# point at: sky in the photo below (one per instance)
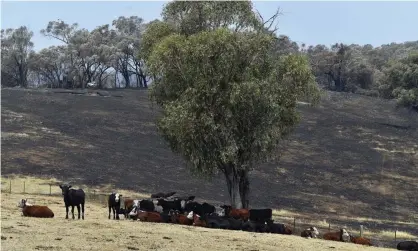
(321, 22)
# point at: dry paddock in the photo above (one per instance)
(96, 232)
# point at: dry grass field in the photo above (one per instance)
(96, 232)
(353, 160)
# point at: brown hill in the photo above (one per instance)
(353, 158)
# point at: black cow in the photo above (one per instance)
(186, 198)
(146, 205)
(114, 204)
(168, 205)
(261, 215)
(235, 224)
(254, 226)
(200, 209)
(162, 195)
(278, 228)
(73, 197)
(166, 217)
(214, 221)
(407, 245)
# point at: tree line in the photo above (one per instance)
(227, 84)
(113, 57)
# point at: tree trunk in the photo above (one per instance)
(238, 187)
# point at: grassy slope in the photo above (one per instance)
(344, 163)
(24, 234)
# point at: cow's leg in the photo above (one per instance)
(72, 211)
(82, 211)
(110, 208)
(66, 210)
(117, 212)
(78, 210)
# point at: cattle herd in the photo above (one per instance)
(167, 208)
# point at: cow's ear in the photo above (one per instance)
(70, 186)
(60, 186)
(120, 195)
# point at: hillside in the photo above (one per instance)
(352, 159)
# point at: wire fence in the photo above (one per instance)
(101, 197)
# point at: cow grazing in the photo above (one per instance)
(278, 228)
(243, 214)
(260, 215)
(149, 216)
(114, 204)
(407, 245)
(73, 198)
(311, 232)
(341, 235)
(162, 195)
(360, 240)
(34, 210)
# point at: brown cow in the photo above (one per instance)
(360, 240)
(35, 211)
(128, 206)
(178, 218)
(150, 216)
(243, 214)
(341, 235)
(311, 232)
(197, 220)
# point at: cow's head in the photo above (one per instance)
(226, 208)
(220, 211)
(314, 232)
(117, 197)
(190, 215)
(344, 235)
(22, 203)
(65, 189)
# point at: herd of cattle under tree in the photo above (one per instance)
(164, 208)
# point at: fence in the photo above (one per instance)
(298, 223)
(49, 189)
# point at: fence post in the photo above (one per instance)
(294, 223)
(395, 233)
(10, 186)
(329, 227)
(50, 190)
(24, 187)
(361, 230)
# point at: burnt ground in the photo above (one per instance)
(352, 157)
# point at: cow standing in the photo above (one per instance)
(114, 204)
(73, 197)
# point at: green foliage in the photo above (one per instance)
(401, 81)
(154, 33)
(191, 17)
(225, 99)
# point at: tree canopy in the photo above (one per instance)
(227, 99)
